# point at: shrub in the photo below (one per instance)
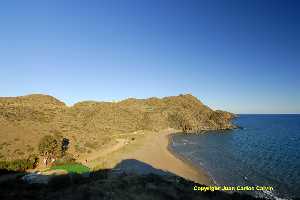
(49, 146)
(20, 164)
(67, 159)
(53, 146)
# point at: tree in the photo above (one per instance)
(64, 146)
(50, 147)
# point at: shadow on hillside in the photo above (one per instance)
(130, 179)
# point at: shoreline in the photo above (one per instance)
(189, 162)
(153, 149)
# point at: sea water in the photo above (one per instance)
(264, 152)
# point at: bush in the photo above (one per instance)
(67, 159)
(53, 146)
(20, 164)
(49, 145)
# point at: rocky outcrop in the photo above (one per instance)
(192, 116)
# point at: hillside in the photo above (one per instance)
(89, 125)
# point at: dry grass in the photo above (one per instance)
(89, 125)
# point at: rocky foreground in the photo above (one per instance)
(25, 120)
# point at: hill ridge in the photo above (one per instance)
(26, 119)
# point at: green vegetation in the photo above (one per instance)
(50, 146)
(53, 146)
(20, 164)
(73, 168)
(54, 150)
(65, 160)
(39, 117)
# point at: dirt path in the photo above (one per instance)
(98, 154)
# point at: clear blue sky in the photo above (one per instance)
(242, 55)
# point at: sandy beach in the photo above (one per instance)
(152, 149)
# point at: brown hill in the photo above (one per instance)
(25, 120)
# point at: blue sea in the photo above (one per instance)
(265, 152)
